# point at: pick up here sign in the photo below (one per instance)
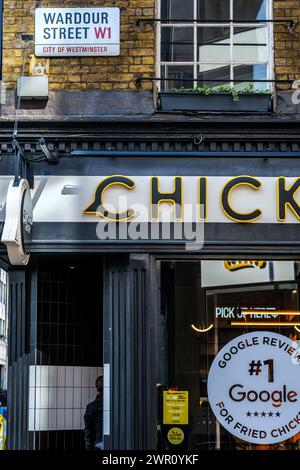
(63, 32)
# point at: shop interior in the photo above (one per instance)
(201, 307)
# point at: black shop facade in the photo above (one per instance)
(139, 254)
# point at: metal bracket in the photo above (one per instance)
(22, 168)
(289, 22)
(139, 80)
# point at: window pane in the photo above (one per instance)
(250, 35)
(198, 304)
(178, 74)
(251, 72)
(213, 10)
(177, 44)
(244, 53)
(213, 44)
(249, 10)
(208, 73)
(250, 44)
(177, 9)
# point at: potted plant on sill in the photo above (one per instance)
(221, 99)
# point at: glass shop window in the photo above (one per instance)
(203, 305)
(1, 34)
(211, 43)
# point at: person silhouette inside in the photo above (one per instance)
(93, 420)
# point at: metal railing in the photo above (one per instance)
(139, 80)
(289, 22)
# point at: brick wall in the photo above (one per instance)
(137, 47)
(287, 43)
(82, 73)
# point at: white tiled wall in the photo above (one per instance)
(58, 396)
(2, 311)
(106, 400)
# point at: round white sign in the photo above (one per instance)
(254, 387)
(17, 230)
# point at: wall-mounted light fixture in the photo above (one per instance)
(205, 330)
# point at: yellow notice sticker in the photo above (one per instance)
(176, 407)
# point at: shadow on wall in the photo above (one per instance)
(80, 104)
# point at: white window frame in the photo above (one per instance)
(270, 44)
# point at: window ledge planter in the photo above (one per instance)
(217, 102)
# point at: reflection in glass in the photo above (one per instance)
(250, 35)
(215, 292)
(248, 73)
(245, 10)
(177, 44)
(250, 44)
(213, 44)
(213, 10)
(209, 73)
(222, 52)
(177, 9)
(178, 76)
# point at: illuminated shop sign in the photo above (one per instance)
(77, 32)
(236, 265)
(217, 273)
(234, 312)
(254, 387)
(240, 199)
(258, 316)
(213, 199)
(229, 316)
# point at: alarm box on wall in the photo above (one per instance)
(33, 88)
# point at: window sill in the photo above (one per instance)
(190, 101)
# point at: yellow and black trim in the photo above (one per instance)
(203, 197)
(234, 183)
(97, 207)
(175, 197)
(285, 198)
